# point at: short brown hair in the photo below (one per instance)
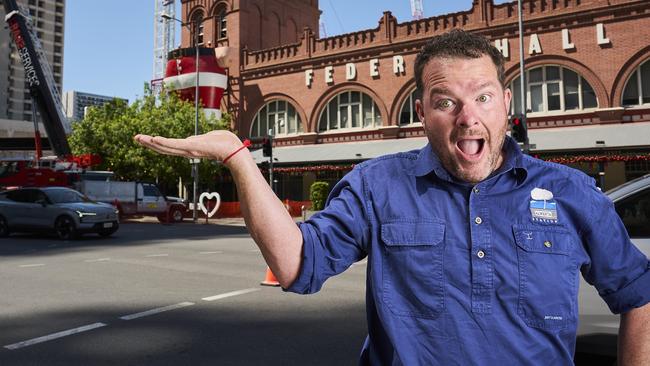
(459, 44)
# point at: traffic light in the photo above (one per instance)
(518, 129)
(267, 147)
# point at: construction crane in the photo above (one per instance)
(163, 39)
(417, 10)
(38, 75)
(323, 31)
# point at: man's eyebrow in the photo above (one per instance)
(485, 85)
(439, 90)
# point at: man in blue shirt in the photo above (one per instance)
(474, 249)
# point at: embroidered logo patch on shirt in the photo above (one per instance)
(542, 206)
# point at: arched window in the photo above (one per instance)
(278, 115)
(407, 114)
(349, 110)
(197, 28)
(220, 24)
(637, 89)
(552, 89)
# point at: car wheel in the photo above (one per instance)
(4, 227)
(176, 214)
(108, 232)
(65, 228)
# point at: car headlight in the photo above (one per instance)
(84, 214)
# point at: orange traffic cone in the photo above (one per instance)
(269, 279)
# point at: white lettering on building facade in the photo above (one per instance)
(566, 40)
(398, 65)
(350, 71)
(374, 67)
(503, 45)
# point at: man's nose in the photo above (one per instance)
(468, 116)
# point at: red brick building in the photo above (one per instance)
(336, 101)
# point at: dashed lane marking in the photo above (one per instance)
(157, 255)
(230, 294)
(52, 336)
(156, 310)
(31, 265)
(97, 260)
(217, 252)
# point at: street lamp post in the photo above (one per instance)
(194, 161)
(522, 77)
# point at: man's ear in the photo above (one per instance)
(507, 96)
(419, 110)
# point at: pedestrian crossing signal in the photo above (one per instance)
(267, 147)
(518, 129)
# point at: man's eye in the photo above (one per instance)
(484, 98)
(446, 103)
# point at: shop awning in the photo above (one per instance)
(339, 152)
(560, 139)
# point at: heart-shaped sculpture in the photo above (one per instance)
(209, 196)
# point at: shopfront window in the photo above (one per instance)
(553, 89)
(637, 89)
(278, 115)
(350, 110)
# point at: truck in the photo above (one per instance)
(134, 199)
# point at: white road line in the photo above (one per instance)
(217, 252)
(31, 265)
(97, 260)
(230, 294)
(156, 310)
(253, 250)
(54, 336)
(157, 255)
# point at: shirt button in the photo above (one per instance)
(480, 254)
(548, 244)
(476, 190)
(478, 220)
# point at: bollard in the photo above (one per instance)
(304, 212)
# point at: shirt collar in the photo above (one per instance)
(428, 162)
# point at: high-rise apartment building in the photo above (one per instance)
(48, 20)
(75, 103)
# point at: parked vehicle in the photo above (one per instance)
(61, 210)
(135, 198)
(598, 327)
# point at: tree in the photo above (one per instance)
(108, 132)
(318, 194)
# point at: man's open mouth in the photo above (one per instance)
(471, 147)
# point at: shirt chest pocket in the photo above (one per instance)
(412, 267)
(547, 276)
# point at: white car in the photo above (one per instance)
(598, 327)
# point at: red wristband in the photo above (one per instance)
(246, 144)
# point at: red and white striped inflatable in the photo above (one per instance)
(180, 76)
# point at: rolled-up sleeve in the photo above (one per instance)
(335, 237)
(618, 269)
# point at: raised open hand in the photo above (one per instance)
(216, 145)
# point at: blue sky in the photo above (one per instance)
(109, 44)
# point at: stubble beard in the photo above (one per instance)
(477, 172)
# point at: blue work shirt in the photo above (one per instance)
(461, 274)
